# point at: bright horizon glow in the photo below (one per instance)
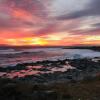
(35, 41)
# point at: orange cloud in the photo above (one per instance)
(36, 22)
(21, 14)
(6, 34)
(95, 40)
(50, 40)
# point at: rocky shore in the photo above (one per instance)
(53, 71)
(87, 89)
(68, 79)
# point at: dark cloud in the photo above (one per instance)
(92, 9)
(97, 25)
(12, 24)
(56, 27)
(32, 6)
(94, 31)
(9, 21)
(6, 24)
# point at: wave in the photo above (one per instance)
(14, 56)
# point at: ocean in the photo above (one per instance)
(13, 56)
(12, 60)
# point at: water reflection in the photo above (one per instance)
(35, 70)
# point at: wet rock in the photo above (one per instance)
(43, 69)
(45, 95)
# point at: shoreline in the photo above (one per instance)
(78, 69)
(80, 83)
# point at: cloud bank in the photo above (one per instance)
(49, 22)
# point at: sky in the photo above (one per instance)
(49, 22)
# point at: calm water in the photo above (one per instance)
(14, 56)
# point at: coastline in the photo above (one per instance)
(87, 89)
(82, 82)
(53, 71)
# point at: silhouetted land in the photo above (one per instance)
(97, 48)
(87, 89)
(82, 83)
(67, 47)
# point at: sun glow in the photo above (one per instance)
(27, 41)
(93, 38)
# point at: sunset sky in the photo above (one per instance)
(49, 22)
